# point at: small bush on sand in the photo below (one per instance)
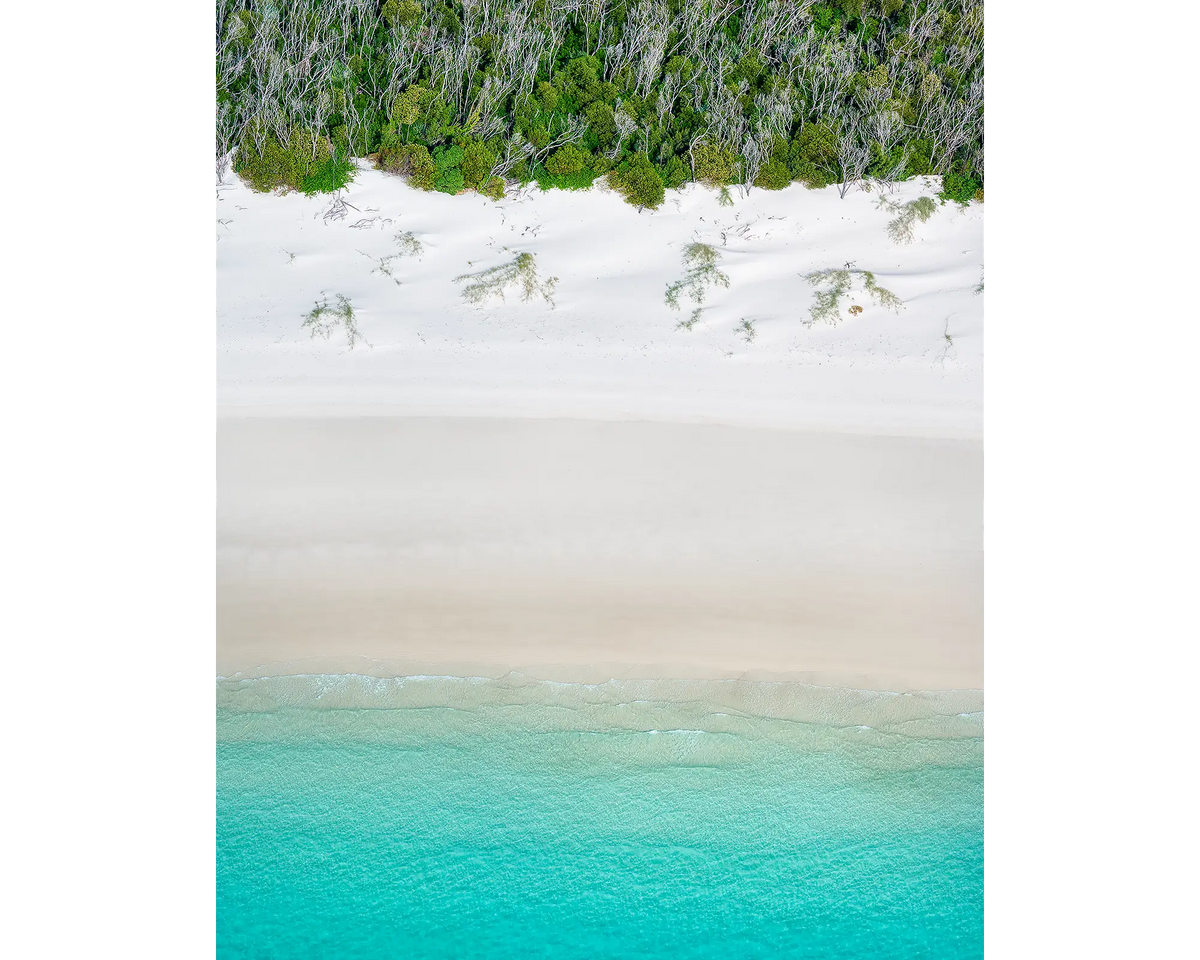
(904, 228)
(521, 272)
(324, 319)
(701, 261)
(833, 285)
(745, 330)
(639, 183)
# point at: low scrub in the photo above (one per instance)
(701, 261)
(520, 273)
(324, 319)
(834, 284)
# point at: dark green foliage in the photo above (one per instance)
(959, 187)
(449, 178)
(446, 157)
(639, 183)
(450, 181)
(548, 96)
(451, 25)
(582, 80)
(602, 124)
(919, 164)
(748, 68)
(826, 17)
(674, 173)
(333, 174)
(522, 173)
(579, 180)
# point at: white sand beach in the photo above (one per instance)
(586, 490)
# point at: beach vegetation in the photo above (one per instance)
(411, 160)
(724, 92)
(407, 245)
(325, 318)
(701, 273)
(692, 319)
(638, 182)
(903, 229)
(833, 284)
(961, 188)
(520, 273)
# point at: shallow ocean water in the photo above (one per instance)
(437, 817)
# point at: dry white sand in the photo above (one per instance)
(584, 550)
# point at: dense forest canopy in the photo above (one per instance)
(472, 94)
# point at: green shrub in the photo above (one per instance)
(567, 160)
(919, 164)
(477, 162)
(408, 106)
(959, 187)
(400, 13)
(563, 181)
(547, 96)
(330, 176)
(522, 172)
(449, 178)
(674, 173)
(450, 181)
(602, 123)
(411, 160)
(714, 166)
(300, 164)
(639, 183)
(446, 157)
(774, 175)
(270, 169)
(582, 80)
(812, 156)
(493, 187)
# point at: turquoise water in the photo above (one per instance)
(437, 817)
